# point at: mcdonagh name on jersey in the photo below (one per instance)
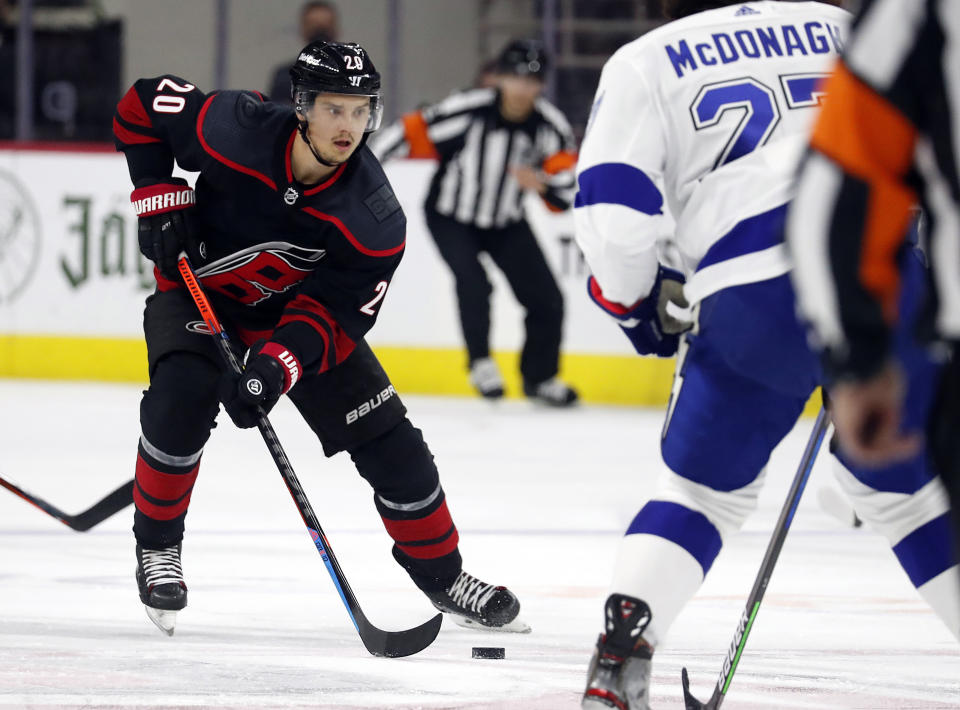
(755, 43)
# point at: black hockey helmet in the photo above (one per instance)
(335, 68)
(523, 57)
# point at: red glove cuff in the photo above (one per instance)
(617, 310)
(288, 361)
(163, 197)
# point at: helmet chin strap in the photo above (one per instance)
(303, 133)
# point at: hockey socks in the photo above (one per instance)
(425, 538)
(161, 493)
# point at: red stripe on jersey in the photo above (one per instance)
(324, 185)
(132, 111)
(342, 345)
(435, 525)
(288, 155)
(431, 552)
(349, 235)
(249, 337)
(128, 137)
(163, 283)
(313, 324)
(223, 159)
(617, 309)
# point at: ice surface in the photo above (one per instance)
(540, 498)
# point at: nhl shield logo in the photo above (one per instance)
(290, 196)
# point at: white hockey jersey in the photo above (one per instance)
(696, 126)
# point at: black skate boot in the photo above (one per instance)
(619, 674)
(162, 589)
(475, 605)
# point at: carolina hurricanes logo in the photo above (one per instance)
(254, 274)
(198, 326)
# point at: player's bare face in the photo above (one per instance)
(336, 125)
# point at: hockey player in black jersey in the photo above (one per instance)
(295, 234)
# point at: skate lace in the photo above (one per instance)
(162, 566)
(469, 592)
(485, 374)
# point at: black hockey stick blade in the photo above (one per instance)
(81, 522)
(690, 702)
(397, 644)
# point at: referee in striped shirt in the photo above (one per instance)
(885, 141)
(493, 144)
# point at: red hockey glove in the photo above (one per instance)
(166, 223)
(270, 371)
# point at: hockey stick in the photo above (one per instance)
(378, 642)
(749, 614)
(81, 522)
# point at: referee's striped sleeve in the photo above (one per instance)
(559, 158)
(853, 207)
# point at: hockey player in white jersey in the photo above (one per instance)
(694, 140)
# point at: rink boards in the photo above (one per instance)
(72, 285)
(73, 282)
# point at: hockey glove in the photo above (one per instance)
(646, 323)
(166, 222)
(270, 371)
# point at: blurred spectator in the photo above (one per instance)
(319, 21)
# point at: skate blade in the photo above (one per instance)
(517, 626)
(164, 619)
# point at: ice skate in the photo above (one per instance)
(476, 605)
(162, 589)
(619, 674)
(486, 378)
(552, 392)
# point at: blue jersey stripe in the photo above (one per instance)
(925, 552)
(753, 234)
(688, 528)
(619, 184)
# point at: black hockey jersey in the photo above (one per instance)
(307, 266)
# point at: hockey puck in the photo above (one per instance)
(487, 652)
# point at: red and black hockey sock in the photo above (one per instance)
(412, 504)
(425, 539)
(161, 494)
